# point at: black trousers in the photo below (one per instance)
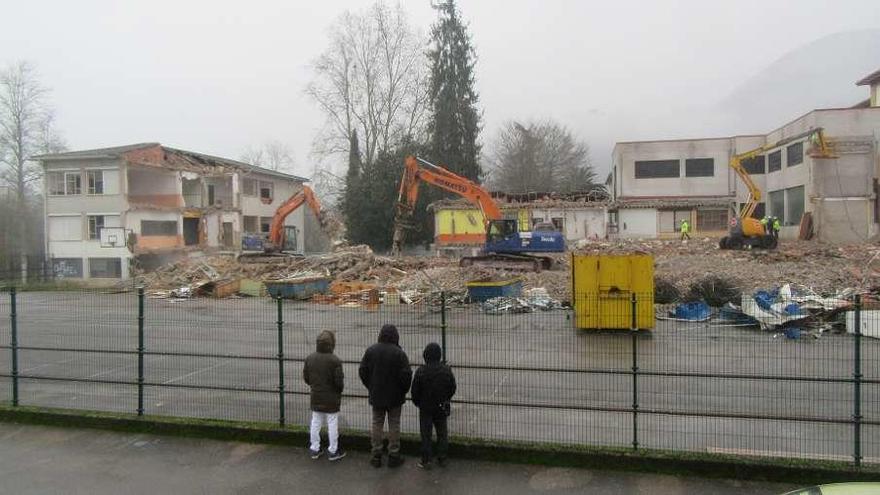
(435, 420)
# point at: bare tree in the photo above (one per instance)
(328, 187)
(273, 155)
(540, 156)
(26, 128)
(373, 78)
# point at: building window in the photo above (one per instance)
(670, 220)
(265, 224)
(96, 181)
(251, 224)
(266, 190)
(774, 161)
(711, 220)
(249, 187)
(105, 267)
(96, 223)
(755, 165)
(55, 182)
(794, 200)
(777, 205)
(67, 267)
(699, 167)
(794, 154)
(657, 169)
(73, 183)
(158, 227)
(64, 183)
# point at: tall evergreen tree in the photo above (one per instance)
(354, 158)
(455, 122)
(352, 198)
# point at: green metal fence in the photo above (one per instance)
(531, 376)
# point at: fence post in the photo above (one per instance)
(634, 330)
(857, 384)
(443, 324)
(13, 316)
(280, 322)
(140, 350)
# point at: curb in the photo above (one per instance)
(803, 472)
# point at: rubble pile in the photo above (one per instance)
(351, 264)
(822, 267)
(684, 271)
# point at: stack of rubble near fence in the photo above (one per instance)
(679, 266)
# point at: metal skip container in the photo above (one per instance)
(603, 287)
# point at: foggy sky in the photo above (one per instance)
(220, 75)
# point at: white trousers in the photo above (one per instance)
(318, 420)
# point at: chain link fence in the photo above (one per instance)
(523, 376)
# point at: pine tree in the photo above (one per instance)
(455, 122)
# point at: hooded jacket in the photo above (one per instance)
(433, 383)
(323, 373)
(385, 370)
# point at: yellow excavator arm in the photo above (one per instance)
(746, 227)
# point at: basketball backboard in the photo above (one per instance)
(114, 237)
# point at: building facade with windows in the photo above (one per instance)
(657, 184)
(147, 203)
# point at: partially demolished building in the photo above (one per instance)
(147, 203)
(657, 184)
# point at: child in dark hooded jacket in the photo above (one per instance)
(432, 388)
(322, 372)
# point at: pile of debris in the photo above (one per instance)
(822, 267)
(355, 263)
(537, 299)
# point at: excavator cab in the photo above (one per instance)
(289, 242)
(501, 230)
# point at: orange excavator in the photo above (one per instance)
(278, 233)
(283, 237)
(505, 241)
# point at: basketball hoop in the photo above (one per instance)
(114, 237)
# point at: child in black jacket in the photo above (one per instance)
(432, 388)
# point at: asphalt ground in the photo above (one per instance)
(530, 377)
(41, 460)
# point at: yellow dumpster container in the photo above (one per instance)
(602, 290)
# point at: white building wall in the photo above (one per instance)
(282, 191)
(720, 184)
(637, 222)
(578, 223)
(66, 234)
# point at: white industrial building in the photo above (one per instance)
(656, 184)
(151, 203)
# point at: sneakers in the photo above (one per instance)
(395, 461)
(335, 456)
(426, 465)
(376, 461)
(315, 454)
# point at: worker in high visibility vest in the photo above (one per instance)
(765, 222)
(776, 227)
(685, 228)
